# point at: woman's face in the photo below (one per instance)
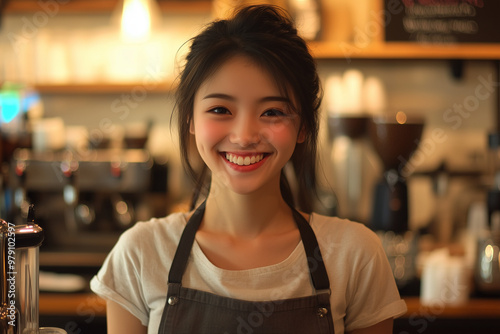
(244, 127)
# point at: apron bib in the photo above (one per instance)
(190, 311)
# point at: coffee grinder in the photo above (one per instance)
(395, 139)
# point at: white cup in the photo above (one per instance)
(445, 279)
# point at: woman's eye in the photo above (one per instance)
(273, 112)
(220, 111)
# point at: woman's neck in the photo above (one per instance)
(249, 215)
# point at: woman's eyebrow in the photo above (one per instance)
(275, 98)
(232, 98)
(219, 96)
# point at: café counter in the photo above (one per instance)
(479, 315)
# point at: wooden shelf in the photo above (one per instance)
(103, 88)
(102, 6)
(321, 50)
(404, 50)
(71, 259)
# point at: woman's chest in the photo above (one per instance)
(242, 254)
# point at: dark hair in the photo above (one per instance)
(267, 35)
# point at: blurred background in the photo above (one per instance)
(409, 137)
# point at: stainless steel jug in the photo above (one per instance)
(19, 250)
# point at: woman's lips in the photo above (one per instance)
(244, 161)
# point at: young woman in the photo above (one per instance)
(246, 260)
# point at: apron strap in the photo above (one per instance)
(181, 256)
(317, 269)
(315, 262)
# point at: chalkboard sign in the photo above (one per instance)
(442, 21)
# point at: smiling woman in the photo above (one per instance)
(280, 52)
(245, 259)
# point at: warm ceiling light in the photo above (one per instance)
(137, 20)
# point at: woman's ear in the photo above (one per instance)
(302, 135)
(191, 127)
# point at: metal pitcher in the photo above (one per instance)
(19, 251)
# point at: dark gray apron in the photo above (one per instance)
(189, 311)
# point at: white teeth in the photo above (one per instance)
(244, 161)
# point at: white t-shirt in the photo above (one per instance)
(364, 292)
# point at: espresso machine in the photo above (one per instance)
(85, 200)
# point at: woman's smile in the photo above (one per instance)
(244, 162)
(243, 159)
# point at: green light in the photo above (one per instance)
(10, 105)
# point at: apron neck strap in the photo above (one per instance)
(181, 256)
(317, 269)
(315, 262)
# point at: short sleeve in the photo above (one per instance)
(119, 278)
(373, 296)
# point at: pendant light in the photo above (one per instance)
(137, 19)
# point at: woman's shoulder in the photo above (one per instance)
(170, 226)
(343, 231)
(332, 222)
(150, 238)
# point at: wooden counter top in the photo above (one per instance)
(73, 304)
(474, 309)
(83, 304)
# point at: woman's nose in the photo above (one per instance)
(245, 132)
